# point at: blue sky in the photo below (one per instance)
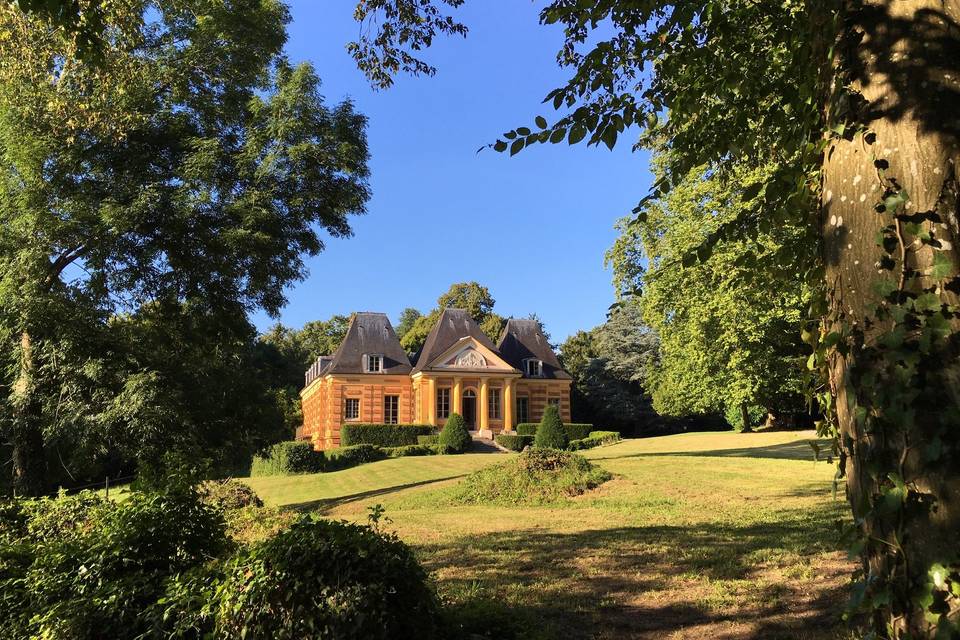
(533, 228)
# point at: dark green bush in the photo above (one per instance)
(595, 439)
(411, 450)
(536, 476)
(382, 435)
(550, 433)
(455, 434)
(575, 430)
(104, 565)
(228, 494)
(433, 438)
(346, 457)
(285, 458)
(325, 579)
(514, 442)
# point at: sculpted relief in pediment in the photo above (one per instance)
(470, 359)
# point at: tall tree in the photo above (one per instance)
(190, 164)
(854, 103)
(470, 296)
(406, 321)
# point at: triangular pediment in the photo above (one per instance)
(470, 355)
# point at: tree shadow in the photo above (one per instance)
(717, 580)
(325, 504)
(798, 450)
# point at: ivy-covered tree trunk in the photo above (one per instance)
(890, 229)
(26, 434)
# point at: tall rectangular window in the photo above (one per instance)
(493, 403)
(443, 403)
(523, 409)
(391, 409)
(351, 409)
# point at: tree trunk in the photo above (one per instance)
(29, 460)
(897, 397)
(745, 418)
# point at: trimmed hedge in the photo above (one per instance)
(286, 458)
(575, 430)
(595, 439)
(411, 450)
(346, 457)
(514, 442)
(432, 439)
(382, 435)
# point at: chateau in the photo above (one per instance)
(459, 370)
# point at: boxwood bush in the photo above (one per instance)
(595, 439)
(575, 430)
(411, 450)
(455, 434)
(382, 435)
(326, 579)
(433, 438)
(550, 433)
(514, 442)
(285, 458)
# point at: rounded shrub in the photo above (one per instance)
(228, 494)
(550, 433)
(326, 579)
(455, 434)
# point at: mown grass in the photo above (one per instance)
(716, 535)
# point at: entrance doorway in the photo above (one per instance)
(470, 409)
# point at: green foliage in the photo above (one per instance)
(346, 457)
(514, 442)
(551, 434)
(609, 365)
(227, 495)
(285, 458)
(412, 450)
(455, 434)
(102, 565)
(371, 583)
(527, 428)
(575, 430)
(733, 414)
(470, 296)
(431, 439)
(594, 439)
(382, 435)
(408, 317)
(185, 173)
(537, 476)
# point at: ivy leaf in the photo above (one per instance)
(938, 574)
(942, 266)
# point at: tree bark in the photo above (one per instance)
(745, 418)
(902, 58)
(29, 459)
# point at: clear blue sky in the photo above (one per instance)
(533, 228)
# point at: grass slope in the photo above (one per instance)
(706, 535)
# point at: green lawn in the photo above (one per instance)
(705, 535)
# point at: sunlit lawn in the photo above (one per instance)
(707, 535)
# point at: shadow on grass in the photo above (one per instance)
(764, 580)
(799, 450)
(325, 504)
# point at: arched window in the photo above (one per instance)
(469, 393)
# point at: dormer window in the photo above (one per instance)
(373, 363)
(533, 368)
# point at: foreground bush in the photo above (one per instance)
(285, 458)
(324, 579)
(455, 434)
(411, 450)
(382, 435)
(514, 442)
(228, 494)
(550, 433)
(101, 565)
(536, 476)
(346, 457)
(433, 438)
(595, 439)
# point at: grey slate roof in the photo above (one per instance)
(453, 325)
(369, 333)
(523, 339)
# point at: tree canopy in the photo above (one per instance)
(474, 298)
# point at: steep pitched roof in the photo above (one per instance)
(453, 325)
(523, 339)
(369, 333)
